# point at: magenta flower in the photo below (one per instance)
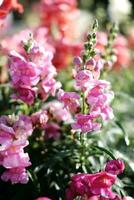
(52, 131)
(115, 167)
(42, 198)
(26, 94)
(70, 100)
(89, 185)
(85, 123)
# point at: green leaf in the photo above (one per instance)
(105, 151)
(123, 131)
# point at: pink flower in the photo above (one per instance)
(52, 131)
(23, 127)
(47, 87)
(23, 72)
(39, 118)
(99, 98)
(59, 112)
(115, 167)
(14, 134)
(42, 58)
(16, 160)
(70, 100)
(15, 175)
(6, 136)
(84, 79)
(33, 74)
(85, 123)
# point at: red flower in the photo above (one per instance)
(7, 5)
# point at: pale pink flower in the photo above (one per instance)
(14, 137)
(42, 58)
(85, 123)
(84, 79)
(16, 160)
(15, 175)
(70, 100)
(59, 112)
(99, 98)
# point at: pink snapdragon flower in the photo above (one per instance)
(85, 123)
(33, 75)
(70, 100)
(58, 112)
(47, 87)
(15, 175)
(23, 73)
(99, 98)
(84, 79)
(115, 167)
(89, 185)
(13, 139)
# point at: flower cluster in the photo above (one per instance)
(95, 97)
(33, 75)
(13, 139)
(96, 186)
